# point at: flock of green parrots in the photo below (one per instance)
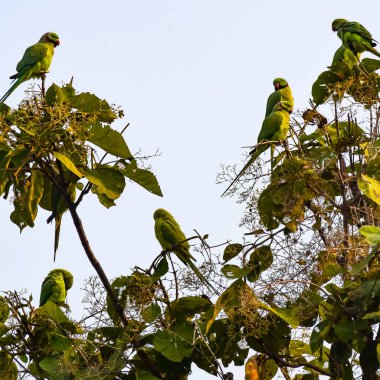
(36, 61)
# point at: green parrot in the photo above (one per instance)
(59, 206)
(282, 93)
(169, 234)
(354, 36)
(274, 130)
(35, 62)
(55, 286)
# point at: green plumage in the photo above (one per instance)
(354, 36)
(35, 61)
(282, 93)
(59, 205)
(275, 129)
(55, 286)
(169, 235)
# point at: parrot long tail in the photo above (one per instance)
(255, 153)
(13, 87)
(200, 276)
(58, 220)
(17, 80)
(373, 51)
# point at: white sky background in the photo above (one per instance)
(193, 78)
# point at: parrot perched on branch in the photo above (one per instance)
(354, 36)
(35, 62)
(55, 286)
(282, 93)
(172, 239)
(274, 130)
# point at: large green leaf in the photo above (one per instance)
(109, 140)
(188, 306)
(371, 233)
(231, 251)
(151, 312)
(50, 364)
(260, 260)
(370, 64)
(143, 177)
(68, 163)
(90, 103)
(108, 181)
(370, 187)
(4, 310)
(175, 344)
(51, 310)
(56, 95)
(233, 271)
(288, 314)
(60, 342)
(319, 334)
(8, 368)
(4, 175)
(321, 87)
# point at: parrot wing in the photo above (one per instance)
(32, 55)
(53, 289)
(355, 27)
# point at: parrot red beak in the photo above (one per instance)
(277, 86)
(57, 43)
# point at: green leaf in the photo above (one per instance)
(8, 368)
(370, 64)
(358, 267)
(188, 306)
(4, 310)
(172, 345)
(142, 374)
(320, 89)
(56, 95)
(371, 233)
(268, 370)
(90, 103)
(374, 315)
(319, 334)
(260, 260)
(162, 268)
(143, 177)
(109, 333)
(108, 181)
(370, 187)
(109, 140)
(4, 109)
(4, 176)
(151, 312)
(50, 364)
(51, 310)
(68, 163)
(60, 342)
(231, 251)
(233, 271)
(289, 315)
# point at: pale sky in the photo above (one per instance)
(193, 77)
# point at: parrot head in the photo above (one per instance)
(68, 279)
(337, 24)
(50, 37)
(279, 83)
(161, 213)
